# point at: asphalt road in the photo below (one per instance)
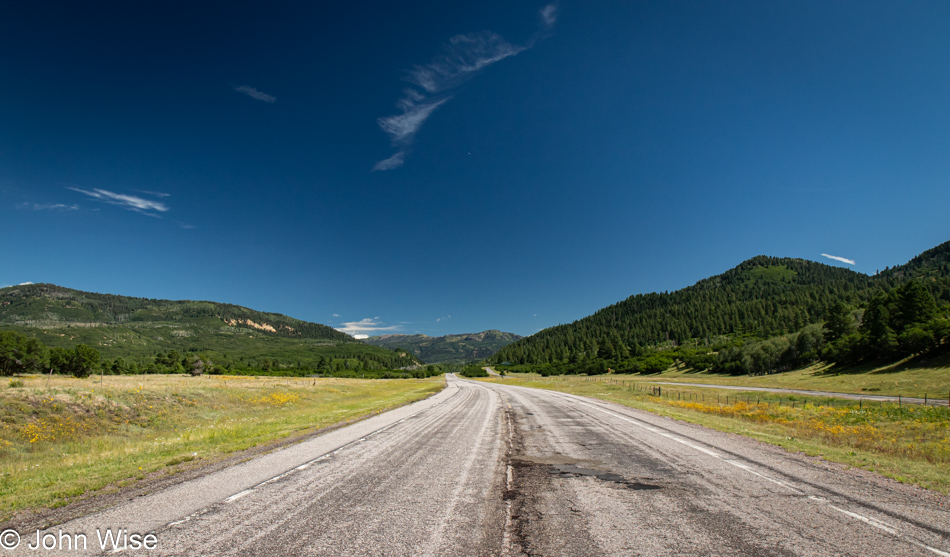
(492, 469)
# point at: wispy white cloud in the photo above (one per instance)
(458, 61)
(48, 207)
(154, 193)
(336, 315)
(446, 318)
(841, 259)
(366, 327)
(402, 127)
(394, 161)
(549, 15)
(24, 283)
(131, 202)
(255, 94)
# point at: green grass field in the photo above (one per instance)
(910, 443)
(900, 378)
(76, 436)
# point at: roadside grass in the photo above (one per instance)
(910, 443)
(77, 436)
(907, 378)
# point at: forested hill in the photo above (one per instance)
(141, 335)
(761, 297)
(48, 305)
(933, 263)
(460, 348)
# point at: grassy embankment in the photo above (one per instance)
(75, 437)
(910, 443)
(907, 378)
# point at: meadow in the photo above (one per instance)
(907, 377)
(910, 443)
(62, 437)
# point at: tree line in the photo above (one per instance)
(23, 354)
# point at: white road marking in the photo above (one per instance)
(237, 496)
(928, 548)
(880, 525)
(638, 423)
(868, 520)
(763, 476)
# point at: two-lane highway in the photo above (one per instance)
(493, 469)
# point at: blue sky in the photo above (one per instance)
(457, 166)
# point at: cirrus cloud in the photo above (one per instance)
(837, 258)
(49, 206)
(255, 94)
(459, 60)
(364, 328)
(130, 202)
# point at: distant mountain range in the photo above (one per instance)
(462, 348)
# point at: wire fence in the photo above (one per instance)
(768, 398)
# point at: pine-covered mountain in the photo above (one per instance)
(138, 329)
(761, 298)
(460, 348)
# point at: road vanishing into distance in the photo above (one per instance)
(492, 469)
